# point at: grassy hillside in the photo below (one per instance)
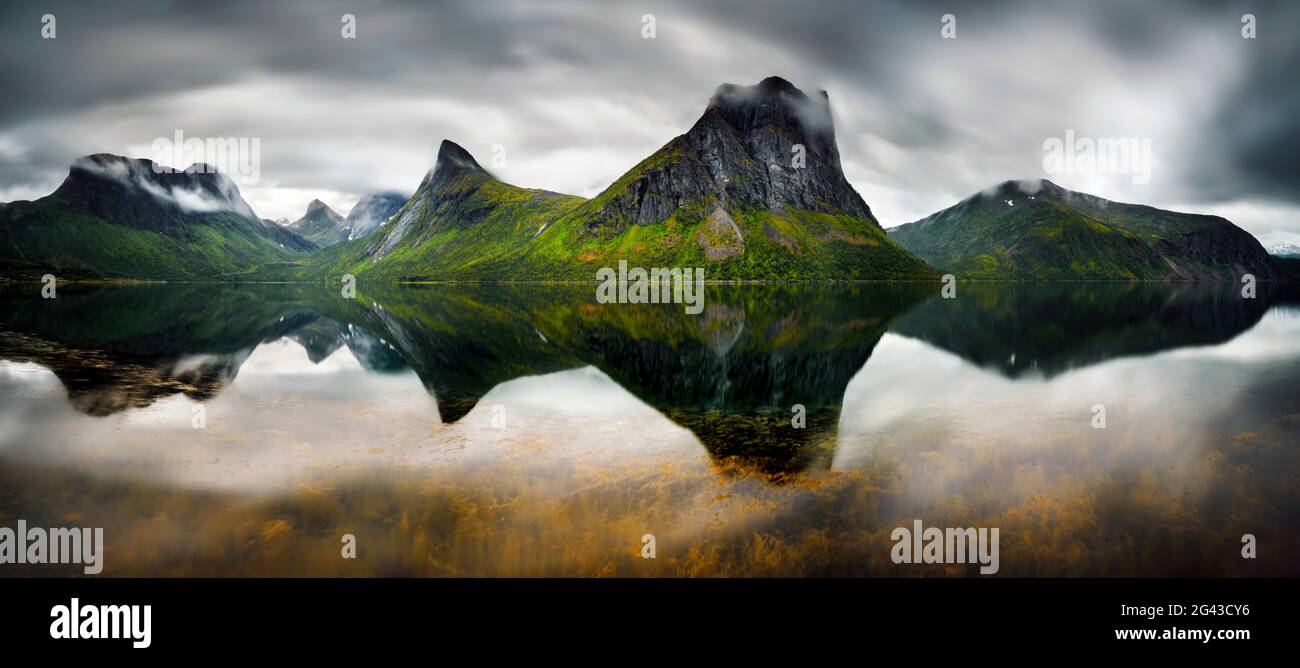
(500, 244)
(784, 245)
(1036, 230)
(1034, 239)
(46, 236)
(476, 227)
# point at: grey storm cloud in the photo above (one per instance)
(571, 95)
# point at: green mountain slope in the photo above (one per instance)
(1038, 230)
(461, 223)
(118, 218)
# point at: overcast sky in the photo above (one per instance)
(575, 95)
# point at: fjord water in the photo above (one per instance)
(493, 430)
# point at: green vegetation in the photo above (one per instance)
(789, 245)
(501, 246)
(1034, 239)
(477, 229)
(48, 236)
(1040, 231)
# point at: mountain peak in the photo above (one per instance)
(1023, 187)
(321, 225)
(453, 157)
(776, 83)
(775, 106)
(772, 86)
(318, 211)
(453, 163)
(766, 147)
(100, 161)
(317, 207)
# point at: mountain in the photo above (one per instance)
(739, 156)
(321, 225)
(373, 210)
(116, 217)
(461, 223)
(728, 195)
(324, 227)
(1039, 230)
(1291, 251)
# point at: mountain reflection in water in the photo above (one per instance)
(528, 430)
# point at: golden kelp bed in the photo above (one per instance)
(708, 520)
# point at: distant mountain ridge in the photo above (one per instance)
(1035, 229)
(325, 227)
(753, 190)
(321, 224)
(1290, 251)
(372, 210)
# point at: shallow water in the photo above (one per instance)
(529, 430)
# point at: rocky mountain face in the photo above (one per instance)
(1038, 230)
(766, 146)
(373, 210)
(321, 225)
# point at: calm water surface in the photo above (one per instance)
(528, 430)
